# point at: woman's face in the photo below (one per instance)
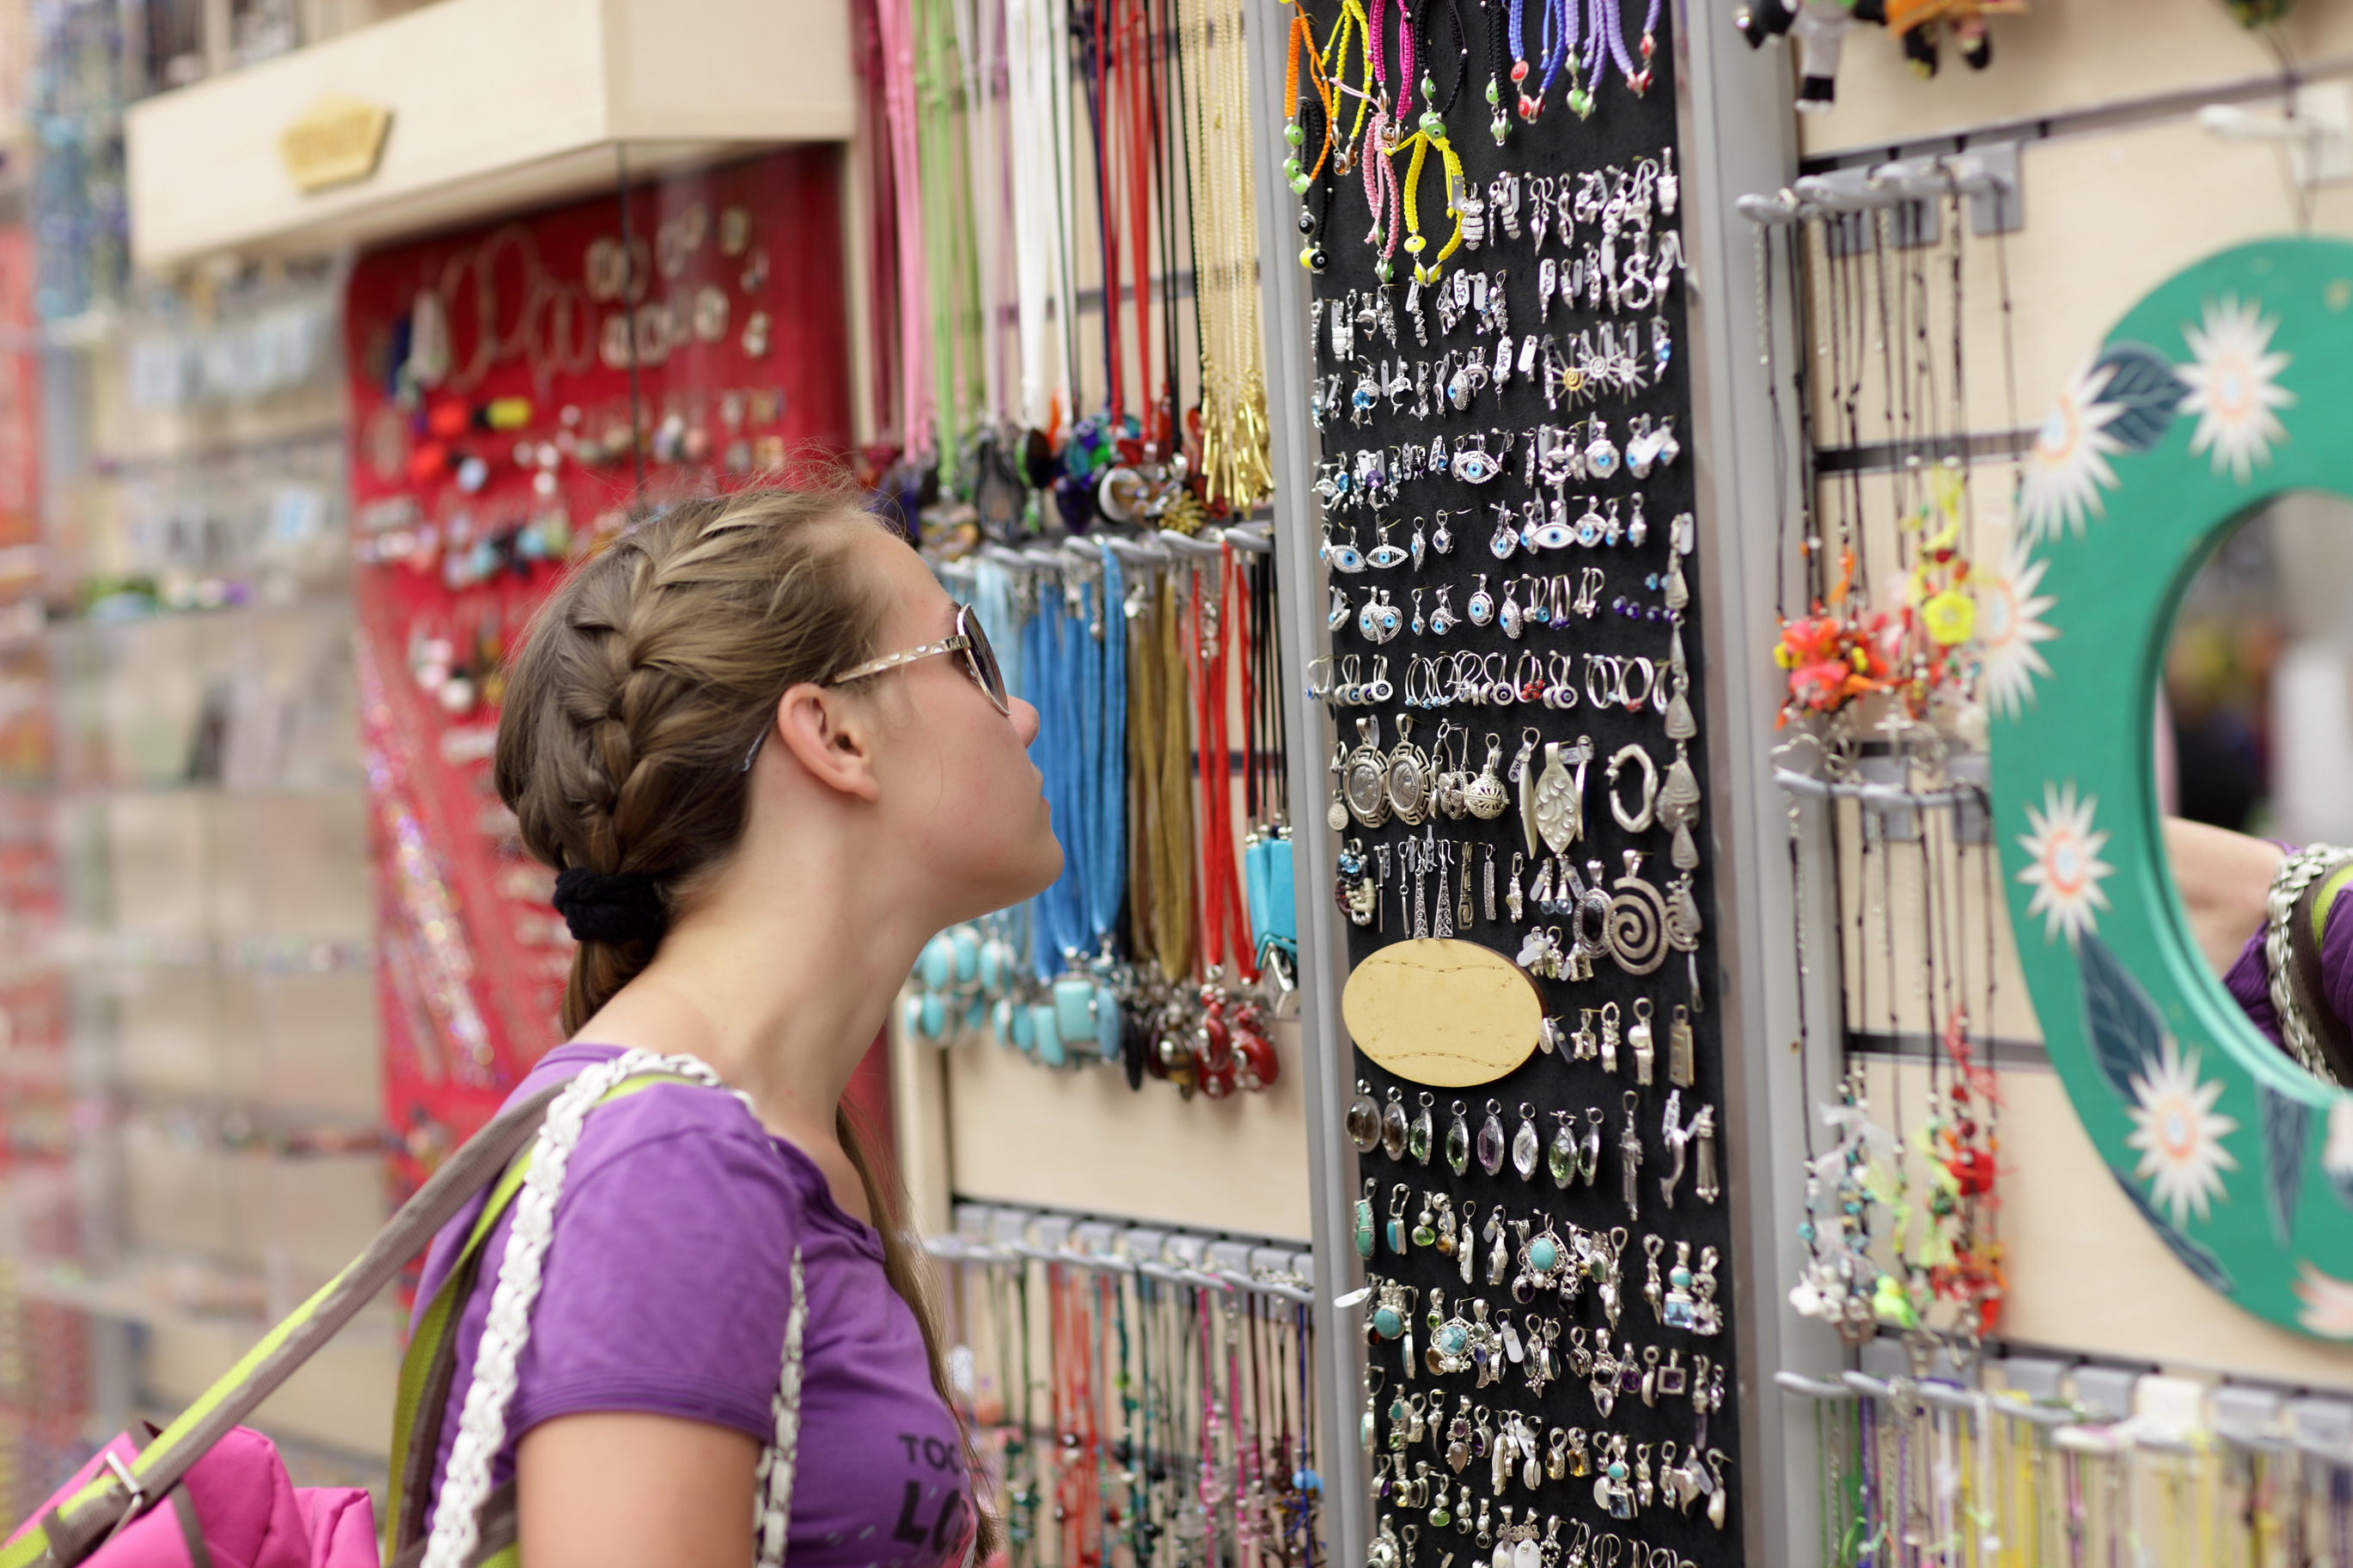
(958, 786)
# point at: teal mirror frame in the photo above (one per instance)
(2225, 386)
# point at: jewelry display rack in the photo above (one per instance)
(1726, 116)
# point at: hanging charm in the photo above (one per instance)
(1365, 783)
(1679, 809)
(1491, 1139)
(1458, 1142)
(1637, 921)
(1525, 1145)
(1557, 802)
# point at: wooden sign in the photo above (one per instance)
(337, 140)
(1447, 1013)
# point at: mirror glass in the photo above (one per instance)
(2254, 733)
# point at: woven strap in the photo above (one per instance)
(2296, 917)
(459, 1512)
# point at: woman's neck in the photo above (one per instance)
(781, 981)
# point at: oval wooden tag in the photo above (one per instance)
(1447, 1013)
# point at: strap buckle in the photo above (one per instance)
(135, 1505)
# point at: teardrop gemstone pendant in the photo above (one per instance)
(1491, 1139)
(1393, 1126)
(1364, 1119)
(1418, 1140)
(1524, 1144)
(1561, 1158)
(1458, 1142)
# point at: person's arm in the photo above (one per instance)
(2223, 879)
(619, 1490)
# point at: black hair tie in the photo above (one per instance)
(623, 906)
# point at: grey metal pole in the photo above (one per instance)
(1738, 135)
(1324, 1059)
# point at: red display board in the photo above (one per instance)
(497, 376)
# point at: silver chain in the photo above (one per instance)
(2296, 873)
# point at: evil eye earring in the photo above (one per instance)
(1417, 612)
(1601, 457)
(1508, 615)
(1592, 527)
(1555, 533)
(1482, 604)
(1345, 556)
(1507, 537)
(1377, 620)
(1442, 614)
(1419, 547)
(1385, 555)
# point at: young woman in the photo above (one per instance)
(769, 758)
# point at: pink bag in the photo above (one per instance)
(206, 1492)
(236, 1507)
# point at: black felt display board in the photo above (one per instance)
(1623, 129)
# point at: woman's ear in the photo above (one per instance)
(829, 735)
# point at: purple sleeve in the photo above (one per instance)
(2249, 983)
(668, 1277)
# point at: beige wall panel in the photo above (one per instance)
(2064, 55)
(341, 1397)
(299, 864)
(156, 847)
(167, 1037)
(178, 1198)
(320, 1213)
(2085, 1271)
(322, 1048)
(1079, 1140)
(2108, 217)
(1888, 981)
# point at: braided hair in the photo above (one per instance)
(643, 684)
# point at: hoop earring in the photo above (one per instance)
(1637, 821)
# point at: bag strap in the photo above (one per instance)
(428, 1369)
(2294, 915)
(2306, 928)
(75, 1528)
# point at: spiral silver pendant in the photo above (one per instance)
(1637, 921)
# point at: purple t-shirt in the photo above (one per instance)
(2248, 980)
(666, 1287)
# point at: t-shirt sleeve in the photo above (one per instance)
(668, 1279)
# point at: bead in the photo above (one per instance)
(1318, 260)
(1414, 244)
(1292, 134)
(1519, 70)
(1306, 221)
(1433, 121)
(1494, 91)
(1291, 171)
(1299, 183)
(1428, 88)
(1384, 269)
(1307, 257)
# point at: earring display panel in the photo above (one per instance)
(1488, 198)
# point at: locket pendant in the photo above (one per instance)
(1364, 1119)
(1491, 1139)
(1485, 796)
(1457, 1141)
(1524, 1144)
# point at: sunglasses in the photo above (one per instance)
(970, 640)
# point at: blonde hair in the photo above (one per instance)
(643, 685)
